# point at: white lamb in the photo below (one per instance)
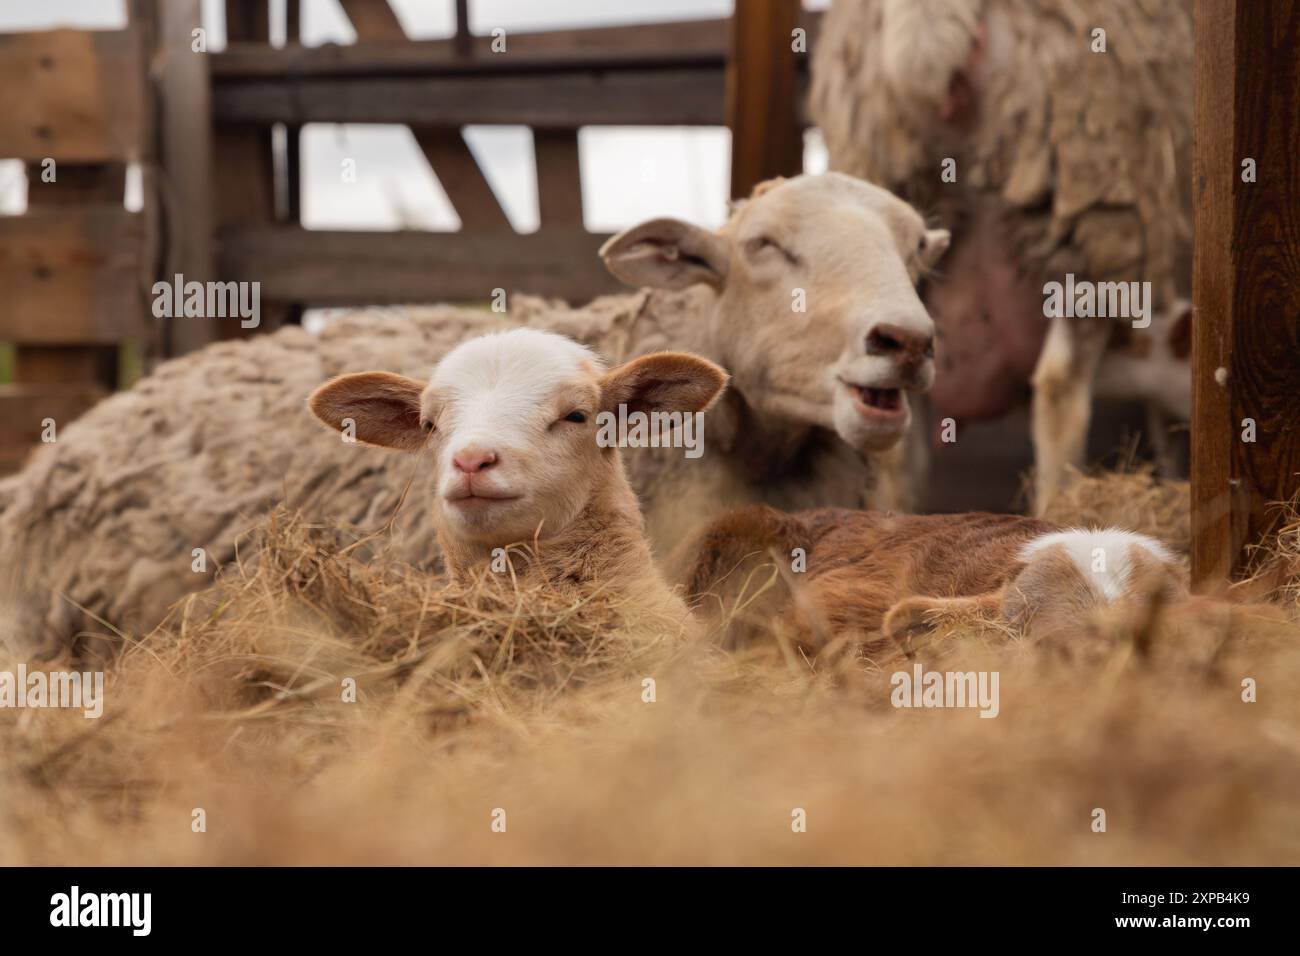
(509, 423)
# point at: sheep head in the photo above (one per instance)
(813, 307)
(515, 423)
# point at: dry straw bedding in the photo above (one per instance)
(488, 696)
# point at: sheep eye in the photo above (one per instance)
(577, 417)
(764, 243)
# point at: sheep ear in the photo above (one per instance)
(377, 408)
(667, 254)
(663, 382)
(936, 244)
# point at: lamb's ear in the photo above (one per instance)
(667, 254)
(933, 247)
(663, 382)
(378, 408)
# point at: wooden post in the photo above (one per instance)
(559, 178)
(293, 135)
(464, 38)
(244, 174)
(185, 150)
(766, 139)
(1246, 278)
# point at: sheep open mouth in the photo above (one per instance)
(877, 401)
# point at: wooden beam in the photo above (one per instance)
(292, 157)
(687, 97)
(72, 276)
(464, 39)
(75, 95)
(382, 59)
(248, 21)
(325, 268)
(559, 178)
(1246, 278)
(185, 133)
(75, 185)
(293, 21)
(762, 94)
(66, 365)
(462, 179)
(244, 167)
(695, 41)
(373, 20)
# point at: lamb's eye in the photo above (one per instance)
(577, 417)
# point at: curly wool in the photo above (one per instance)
(1088, 153)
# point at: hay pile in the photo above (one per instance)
(481, 699)
(1131, 497)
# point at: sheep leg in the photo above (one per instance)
(1062, 404)
(1158, 434)
(917, 615)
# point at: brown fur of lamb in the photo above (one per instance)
(858, 565)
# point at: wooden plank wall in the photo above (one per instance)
(72, 266)
(223, 195)
(1246, 278)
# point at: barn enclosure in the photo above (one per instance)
(213, 140)
(215, 137)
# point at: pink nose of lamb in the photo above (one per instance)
(474, 459)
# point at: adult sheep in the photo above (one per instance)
(806, 296)
(1055, 140)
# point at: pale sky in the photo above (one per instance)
(629, 173)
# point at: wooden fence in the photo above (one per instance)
(74, 109)
(217, 136)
